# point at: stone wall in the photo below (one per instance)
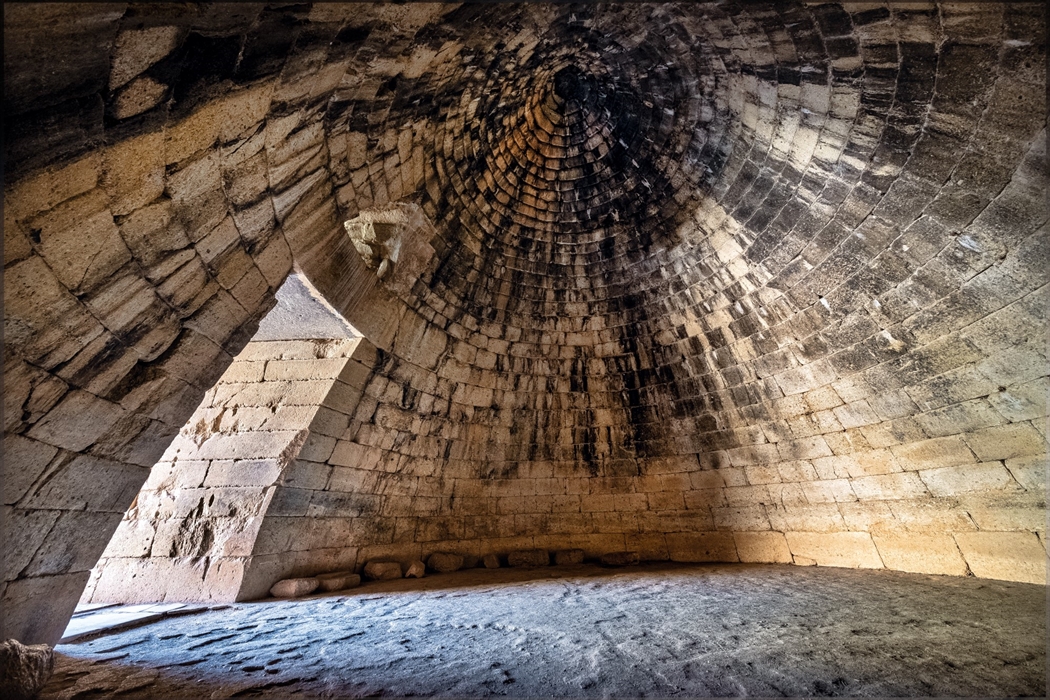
(193, 531)
(721, 280)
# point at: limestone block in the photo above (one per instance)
(133, 169)
(50, 188)
(846, 549)
(338, 580)
(820, 517)
(41, 317)
(133, 538)
(77, 422)
(924, 554)
(24, 461)
(80, 241)
(24, 669)
(243, 472)
(74, 543)
(416, 570)
(1009, 556)
(25, 532)
(762, 547)
(1030, 472)
(491, 561)
(382, 570)
(37, 609)
(828, 491)
(294, 587)
(649, 542)
(445, 562)
(193, 134)
(930, 454)
(618, 559)
(87, 482)
(987, 476)
(701, 546)
(1006, 442)
(528, 558)
(255, 445)
(152, 234)
(297, 370)
(888, 487)
(135, 50)
(568, 557)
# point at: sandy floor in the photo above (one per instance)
(652, 631)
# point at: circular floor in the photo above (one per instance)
(648, 631)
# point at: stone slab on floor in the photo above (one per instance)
(92, 620)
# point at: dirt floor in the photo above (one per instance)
(584, 631)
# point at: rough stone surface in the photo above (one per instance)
(445, 562)
(756, 630)
(568, 556)
(490, 561)
(529, 558)
(416, 569)
(338, 580)
(619, 558)
(294, 587)
(382, 570)
(24, 669)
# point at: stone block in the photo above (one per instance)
(529, 558)
(828, 491)
(80, 241)
(846, 549)
(1006, 442)
(618, 559)
(817, 517)
(762, 547)
(649, 542)
(50, 188)
(297, 370)
(1030, 472)
(1004, 514)
(922, 554)
(73, 544)
(568, 557)
(416, 570)
(490, 561)
(382, 570)
(987, 476)
(445, 562)
(89, 483)
(338, 580)
(1008, 556)
(25, 533)
(24, 461)
(930, 454)
(37, 609)
(294, 587)
(133, 172)
(24, 669)
(193, 134)
(701, 546)
(45, 321)
(888, 487)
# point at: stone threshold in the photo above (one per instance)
(95, 620)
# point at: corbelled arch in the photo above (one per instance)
(708, 282)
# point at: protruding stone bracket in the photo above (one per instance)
(393, 240)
